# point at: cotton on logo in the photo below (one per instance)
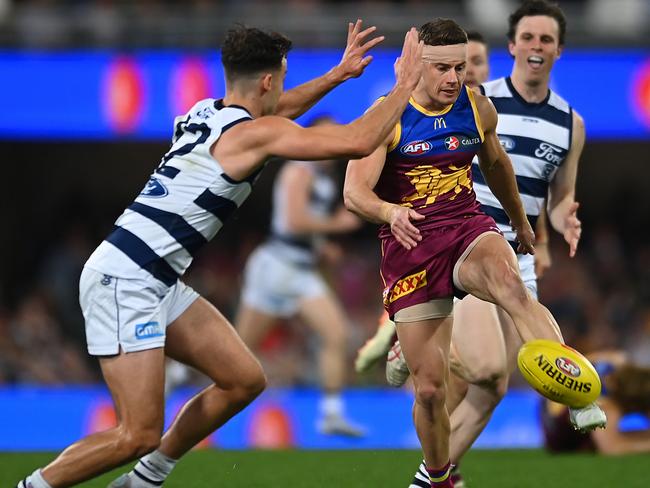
(416, 148)
(568, 367)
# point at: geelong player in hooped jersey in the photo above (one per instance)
(136, 308)
(436, 242)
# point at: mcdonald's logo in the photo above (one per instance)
(439, 123)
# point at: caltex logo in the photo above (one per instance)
(451, 143)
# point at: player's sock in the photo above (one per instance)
(34, 480)
(457, 477)
(441, 477)
(331, 405)
(151, 470)
(421, 477)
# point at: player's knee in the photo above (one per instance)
(250, 386)
(431, 394)
(136, 442)
(496, 383)
(488, 376)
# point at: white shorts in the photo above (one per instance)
(527, 271)
(275, 286)
(131, 314)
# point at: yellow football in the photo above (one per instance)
(559, 372)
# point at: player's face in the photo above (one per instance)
(478, 68)
(444, 72)
(272, 97)
(536, 47)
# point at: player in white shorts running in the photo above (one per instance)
(136, 308)
(282, 278)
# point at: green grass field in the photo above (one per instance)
(279, 469)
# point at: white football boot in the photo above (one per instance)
(588, 418)
(339, 425)
(123, 481)
(376, 347)
(397, 372)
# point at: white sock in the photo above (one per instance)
(34, 480)
(152, 470)
(331, 405)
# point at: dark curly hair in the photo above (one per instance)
(247, 50)
(442, 32)
(537, 7)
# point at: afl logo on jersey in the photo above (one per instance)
(416, 148)
(507, 143)
(452, 143)
(154, 189)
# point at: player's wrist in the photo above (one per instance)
(385, 211)
(336, 76)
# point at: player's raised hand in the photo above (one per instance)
(525, 237)
(355, 58)
(408, 67)
(572, 229)
(401, 226)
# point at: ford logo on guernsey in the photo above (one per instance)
(568, 367)
(416, 148)
(148, 330)
(154, 188)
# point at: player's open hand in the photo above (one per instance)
(525, 237)
(408, 67)
(401, 226)
(572, 229)
(354, 59)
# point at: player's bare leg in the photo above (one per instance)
(203, 338)
(136, 383)
(479, 357)
(491, 272)
(324, 315)
(425, 345)
(253, 325)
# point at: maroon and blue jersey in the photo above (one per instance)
(429, 162)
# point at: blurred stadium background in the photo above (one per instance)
(88, 92)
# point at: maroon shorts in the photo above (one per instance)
(426, 272)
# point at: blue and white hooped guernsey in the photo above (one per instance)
(183, 205)
(537, 137)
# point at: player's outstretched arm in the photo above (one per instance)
(500, 177)
(295, 102)
(562, 207)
